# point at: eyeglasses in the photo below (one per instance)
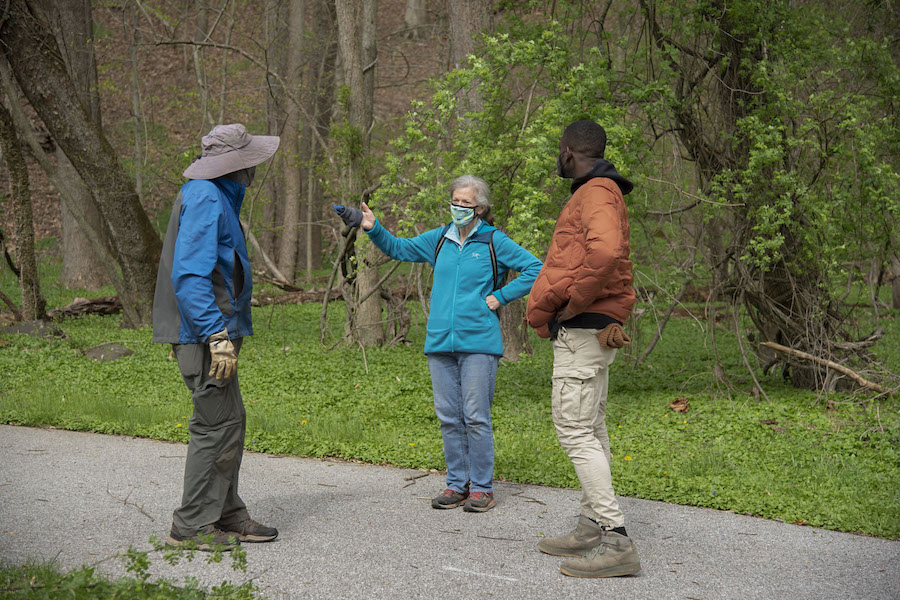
(461, 205)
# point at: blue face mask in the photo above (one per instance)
(461, 215)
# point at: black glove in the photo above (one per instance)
(352, 217)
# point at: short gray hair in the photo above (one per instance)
(482, 190)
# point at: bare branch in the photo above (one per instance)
(831, 365)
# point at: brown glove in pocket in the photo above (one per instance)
(613, 336)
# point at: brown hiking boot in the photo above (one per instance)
(479, 502)
(615, 556)
(585, 538)
(205, 541)
(249, 530)
(450, 498)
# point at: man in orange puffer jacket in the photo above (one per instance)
(581, 299)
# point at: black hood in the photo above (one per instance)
(603, 168)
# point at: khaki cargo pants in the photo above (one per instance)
(580, 380)
(217, 445)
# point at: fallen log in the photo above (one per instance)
(107, 305)
(831, 365)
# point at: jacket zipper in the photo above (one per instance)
(453, 307)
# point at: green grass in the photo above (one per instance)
(831, 461)
(41, 580)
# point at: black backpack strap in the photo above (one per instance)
(493, 258)
(437, 249)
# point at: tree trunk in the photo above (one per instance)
(514, 329)
(73, 27)
(290, 146)
(319, 99)
(223, 83)
(276, 45)
(357, 42)
(33, 304)
(31, 51)
(468, 19)
(94, 229)
(201, 32)
(415, 18)
(895, 282)
(134, 40)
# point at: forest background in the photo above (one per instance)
(762, 138)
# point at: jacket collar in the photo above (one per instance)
(233, 190)
(603, 168)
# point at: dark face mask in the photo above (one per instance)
(559, 166)
(244, 176)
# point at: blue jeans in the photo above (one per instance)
(463, 387)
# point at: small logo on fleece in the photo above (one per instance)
(476, 255)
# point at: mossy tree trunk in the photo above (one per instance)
(32, 53)
(33, 303)
(357, 43)
(72, 25)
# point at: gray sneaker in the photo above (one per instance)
(585, 538)
(615, 556)
(205, 541)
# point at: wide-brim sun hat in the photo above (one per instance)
(229, 148)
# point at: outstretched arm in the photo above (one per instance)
(417, 249)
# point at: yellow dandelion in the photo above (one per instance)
(628, 458)
(184, 417)
(665, 473)
(620, 427)
(685, 422)
(179, 425)
(412, 444)
(303, 422)
(548, 447)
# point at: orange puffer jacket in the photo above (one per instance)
(587, 266)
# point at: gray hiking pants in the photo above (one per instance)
(216, 447)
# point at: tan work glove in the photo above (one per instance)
(223, 363)
(613, 336)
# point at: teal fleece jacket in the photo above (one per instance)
(459, 320)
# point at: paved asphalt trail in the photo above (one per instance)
(362, 531)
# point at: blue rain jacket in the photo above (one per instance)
(459, 320)
(204, 283)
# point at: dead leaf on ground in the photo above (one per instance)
(681, 405)
(769, 422)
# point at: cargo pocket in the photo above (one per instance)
(190, 363)
(573, 401)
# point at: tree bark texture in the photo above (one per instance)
(134, 40)
(895, 282)
(319, 99)
(468, 19)
(357, 42)
(96, 232)
(276, 56)
(33, 304)
(73, 27)
(201, 34)
(37, 65)
(290, 145)
(415, 18)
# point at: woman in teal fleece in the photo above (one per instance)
(463, 341)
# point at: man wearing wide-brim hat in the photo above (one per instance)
(202, 308)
